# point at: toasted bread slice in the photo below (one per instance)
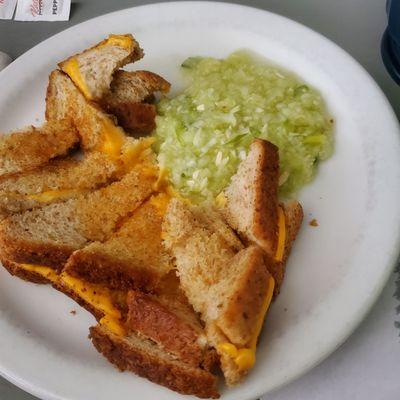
(93, 69)
(166, 317)
(49, 235)
(129, 97)
(97, 130)
(228, 288)
(32, 147)
(133, 257)
(134, 87)
(147, 359)
(42, 276)
(69, 177)
(195, 245)
(251, 206)
(237, 300)
(57, 181)
(252, 197)
(97, 299)
(211, 218)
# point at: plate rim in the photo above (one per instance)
(367, 305)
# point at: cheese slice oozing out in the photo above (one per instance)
(113, 138)
(245, 358)
(45, 272)
(134, 152)
(280, 248)
(124, 41)
(71, 68)
(98, 296)
(51, 195)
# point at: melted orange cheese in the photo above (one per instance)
(124, 41)
(133, 152)
(162, 180)
(160, 202)
(113, 138)
(46, 272)
(98, 296)
(264, 309)
(113, 324)
(71, 68)
(280, 248)
(245, 358)
(51, 195)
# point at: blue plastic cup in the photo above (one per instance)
(390, 45)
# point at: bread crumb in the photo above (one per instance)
(73, 312)
(313, 222)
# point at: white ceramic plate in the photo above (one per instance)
(336, 270)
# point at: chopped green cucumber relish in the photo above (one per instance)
(204, 132)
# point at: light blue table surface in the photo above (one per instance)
(355, 25)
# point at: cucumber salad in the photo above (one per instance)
(204, 132)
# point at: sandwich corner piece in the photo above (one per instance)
(231, 283)
(32, 147)
(230, 289)
(179, 291)
(92, 70)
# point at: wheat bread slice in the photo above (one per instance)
(226, 287)
(146, 359)
(236, 301)
(134, 87)
(57, 181)
(195, 247)
(31, 147)
(166, 317)
(92, 70)
(210, 217)
(251, 206)
(49, 235)
(97, 130)
(133, 257)
(129, 99)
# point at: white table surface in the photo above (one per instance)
(367, 366)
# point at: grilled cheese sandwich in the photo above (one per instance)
(113, 237)
(245, 358)
(92, 70)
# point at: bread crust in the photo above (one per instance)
(98, 86)
(136, 118)
(152, 319)
(21, 251)
(129, 99)
(30, 276)
(32, 147)
(15, 270)
(99, 268)
(244, 306)
(265, 217)
(252, 197)
(98, 314)
(165, 371)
